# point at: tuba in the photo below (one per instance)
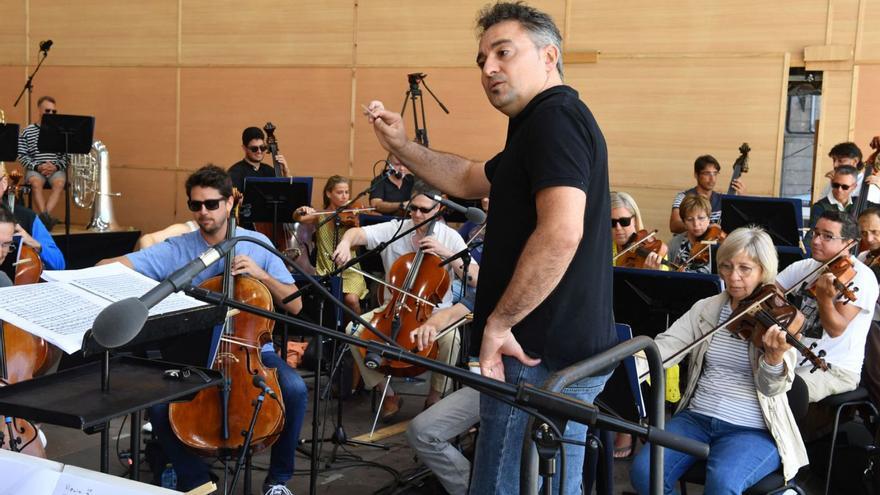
(90, 186)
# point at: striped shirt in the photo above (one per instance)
(726, 389)
(30, 156)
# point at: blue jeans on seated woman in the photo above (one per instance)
(192, 470)
(739, 456)
(499, 444)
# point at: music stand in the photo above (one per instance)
(782, 218)
(274, 199)
(8, 142)
(66, 134)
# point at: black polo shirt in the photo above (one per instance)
(387, 191)
(553, 141)
(242, 170)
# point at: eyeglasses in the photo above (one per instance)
(825, 236)
(211, 204)
(622, 221)
(838, 185)
(51, 110)
(709, 173)
(742, 270)
(258, 149)
(425, 211)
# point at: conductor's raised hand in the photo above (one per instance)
(387, 125)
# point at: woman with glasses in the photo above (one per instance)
(695, 212)
(626, 220)
(844, 181)
(735, 399)
(444, 243)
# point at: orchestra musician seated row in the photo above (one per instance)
(842, 186)
(735, 397)
(686, 248)
(444, 242)
(32, 230)
(210, 199)
(706, 169)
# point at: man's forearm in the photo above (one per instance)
(448, 172)
(832, 321)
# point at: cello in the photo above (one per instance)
(414, 274)
(204, 423)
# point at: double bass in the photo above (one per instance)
(414, 274)
(213, 422)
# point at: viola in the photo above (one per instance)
(634, 253)
(204, 423)
(844, 272)
(765, 307)
(712, 235)
(414, 274)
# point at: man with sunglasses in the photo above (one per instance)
(831, 324)
(32, 230)
(253, 143)
(209, 191)
(444, 242)
(41, 166)
(843, 184)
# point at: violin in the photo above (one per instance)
(205, 422)
(349, 217)
(712, 235)
(844, 272)
(422, 283)
(636, 250)
(765, 307)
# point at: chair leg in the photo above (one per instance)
(833, 442)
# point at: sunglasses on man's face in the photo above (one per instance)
(623, 221)
(838, 185)
(425, 211)
(50, 110)
(211, 204)
(258, 149)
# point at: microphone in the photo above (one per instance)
(461, 254)
(45, 45)
(475, 215)
(121, 321)
(260, 383)
(394, 171)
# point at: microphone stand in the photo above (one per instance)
(551, 408)
(29, 86)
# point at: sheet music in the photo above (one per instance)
(54, 311)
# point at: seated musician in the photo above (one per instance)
(695, 211)
(337, 192)
(834, 326)
(7, 231)
(209, 191)
(390, 195)
(626, 220)
(473, 234)
(869, 228)
(843, 184)
(848, 154)
(444, 243)
(33, 232)
(253, 143)
(735, 399)
(42, 167)
(706, 170)
(431, 432)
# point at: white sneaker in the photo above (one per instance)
(278, 490)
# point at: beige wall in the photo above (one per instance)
(172, 83)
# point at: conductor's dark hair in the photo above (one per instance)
(250, 134)
(704, 161)
(210, 176)
(846, 150)
(540, 26)
(849, 229)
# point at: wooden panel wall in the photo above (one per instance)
(172, 83)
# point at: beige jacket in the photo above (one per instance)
(771, 388)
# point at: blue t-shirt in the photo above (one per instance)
(161, 260)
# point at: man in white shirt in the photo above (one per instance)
(444, 242)
(833, 325)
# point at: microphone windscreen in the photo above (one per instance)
(119, 322)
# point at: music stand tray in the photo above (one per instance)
(8, 142)
(274, 199)
(782, 218)
(66, 133)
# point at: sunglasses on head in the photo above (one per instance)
(255, 149)
(838, 185)
(211, 204)
(414, 208)
(623, 221)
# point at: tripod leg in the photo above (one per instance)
(381, 401)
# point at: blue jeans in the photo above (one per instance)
(738, 456)
(499, 444)
(192, 470)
